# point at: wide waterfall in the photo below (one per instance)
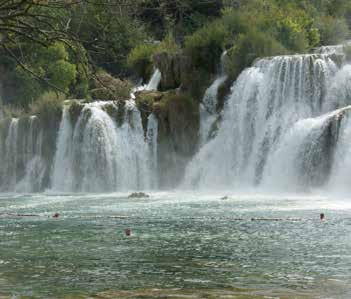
(278, 130)
(284, 127)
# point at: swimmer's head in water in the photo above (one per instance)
(322, 216)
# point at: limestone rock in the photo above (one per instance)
(174, 68)
(138, 195)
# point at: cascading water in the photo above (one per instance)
(101, 154)
(284, 126)
(208, 109)
(272, 119)
(151, 137)
(341, 171)
(208, 105)
(22, 165)
(154, 81)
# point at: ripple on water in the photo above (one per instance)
(184, 245)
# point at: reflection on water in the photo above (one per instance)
(182, 245)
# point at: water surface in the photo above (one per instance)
(183, 245)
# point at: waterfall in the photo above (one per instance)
(208, 109)
(285, 126)
(62, 176)
(151, 136)
(305, 154)
(208, 105)
(10, 156)
(23, 167)
(100, 154)
(266, 121)
(341, 172)
(154, 81)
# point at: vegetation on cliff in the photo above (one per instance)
(95, 49)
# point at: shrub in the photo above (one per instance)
(48, 106)
(206, 45)
(248, 47)
(235, 22)
(292, 36)
(332, 30)
(168, 45)
(12, 111)
(140, 59)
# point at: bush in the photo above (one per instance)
(140, 59)
(49, 106)
(333, 31)
(235, 22)
(168, 45)
(206, 45)
(11, 111)
(248, 47)
(27, 89)
(292, 36)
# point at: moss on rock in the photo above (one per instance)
(105, 87)
(145, 101)
(223, 91)
(75, 109)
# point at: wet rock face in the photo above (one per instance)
(316, 158)
(174, 68)
(145, 101)
(178, 127)
(138, 195)
(177, 137)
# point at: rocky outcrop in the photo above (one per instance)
(317, 158)
(107, 88)
(174, 69)
(178, 125)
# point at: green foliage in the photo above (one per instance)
(46, 69)
(108, 33)
(182, 17)
(27, 88)
(333, 30)
(206, 45)
(62, 74)
(168, 45)
(248, 47)
(121, 39)
(48, 106)
(140, 59)
(11, 111)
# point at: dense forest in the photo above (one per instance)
(97, 49)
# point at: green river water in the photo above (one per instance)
(183, 245)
